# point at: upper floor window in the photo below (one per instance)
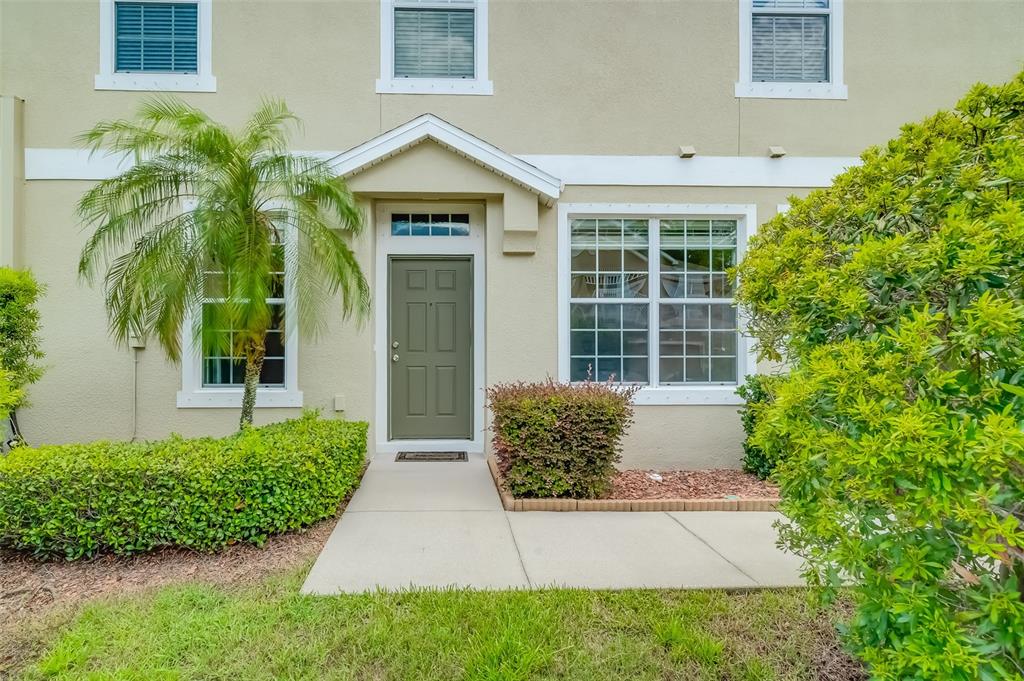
(162, 45)
(156, 37)
(434, 47)
(791, 49)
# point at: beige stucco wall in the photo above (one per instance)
(570, 76)
(93, 389)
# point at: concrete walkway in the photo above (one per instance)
(434, 525)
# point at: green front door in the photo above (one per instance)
(430, 360)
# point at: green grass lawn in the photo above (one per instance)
(271, 632)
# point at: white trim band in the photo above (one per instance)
(543, 173)
(700, 171)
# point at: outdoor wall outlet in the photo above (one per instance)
(776, 152)
(687, 151)
(339, 403)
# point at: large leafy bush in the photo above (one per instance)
(19, 336)
(896, 297)
(9, 395)
(559, 440)
(82, 499)
(756, 392)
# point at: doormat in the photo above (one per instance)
(432, 456)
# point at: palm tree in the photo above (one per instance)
(209, 218)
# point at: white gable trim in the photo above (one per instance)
(430, 127)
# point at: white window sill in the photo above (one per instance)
(434, 86)
(697, 394)
(156, 82)
(232, 398)
(792, 90)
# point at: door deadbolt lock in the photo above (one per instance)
(394, 357)
(394, 344)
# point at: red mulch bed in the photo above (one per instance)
(703, 484)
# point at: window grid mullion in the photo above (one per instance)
(654, 309)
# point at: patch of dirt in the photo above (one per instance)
(31, 590)
(703, 484)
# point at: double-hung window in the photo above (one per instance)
(223, 365)
(434, 46)
(155, 45)
(649, 301)
(791, 49)
(214, 373)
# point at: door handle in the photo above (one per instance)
(394, 357)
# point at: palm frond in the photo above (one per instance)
(267, 130)
(200, 199)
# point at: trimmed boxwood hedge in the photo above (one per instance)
(78, 500)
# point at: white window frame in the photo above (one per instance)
(194, 394)
(746, 226)
(834, 89)
(203, 81)
(387, 245)
(389, 84)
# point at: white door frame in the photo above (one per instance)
(388, 245)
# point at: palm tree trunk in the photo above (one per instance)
(253, 366)
(16, 435)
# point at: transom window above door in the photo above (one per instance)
(434, 47)
(649, 301)
(430, 224)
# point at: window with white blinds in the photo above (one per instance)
(156, 46)
(156, 37)
(434, 42)
(434, 47)
(789, 41)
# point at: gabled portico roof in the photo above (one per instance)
(429, 127)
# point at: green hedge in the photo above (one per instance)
(79, 500)
(559, 440)
(756, 392)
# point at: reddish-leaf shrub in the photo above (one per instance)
(559, 440)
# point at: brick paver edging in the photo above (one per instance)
(512, 504)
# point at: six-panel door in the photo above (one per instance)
(430, 332)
